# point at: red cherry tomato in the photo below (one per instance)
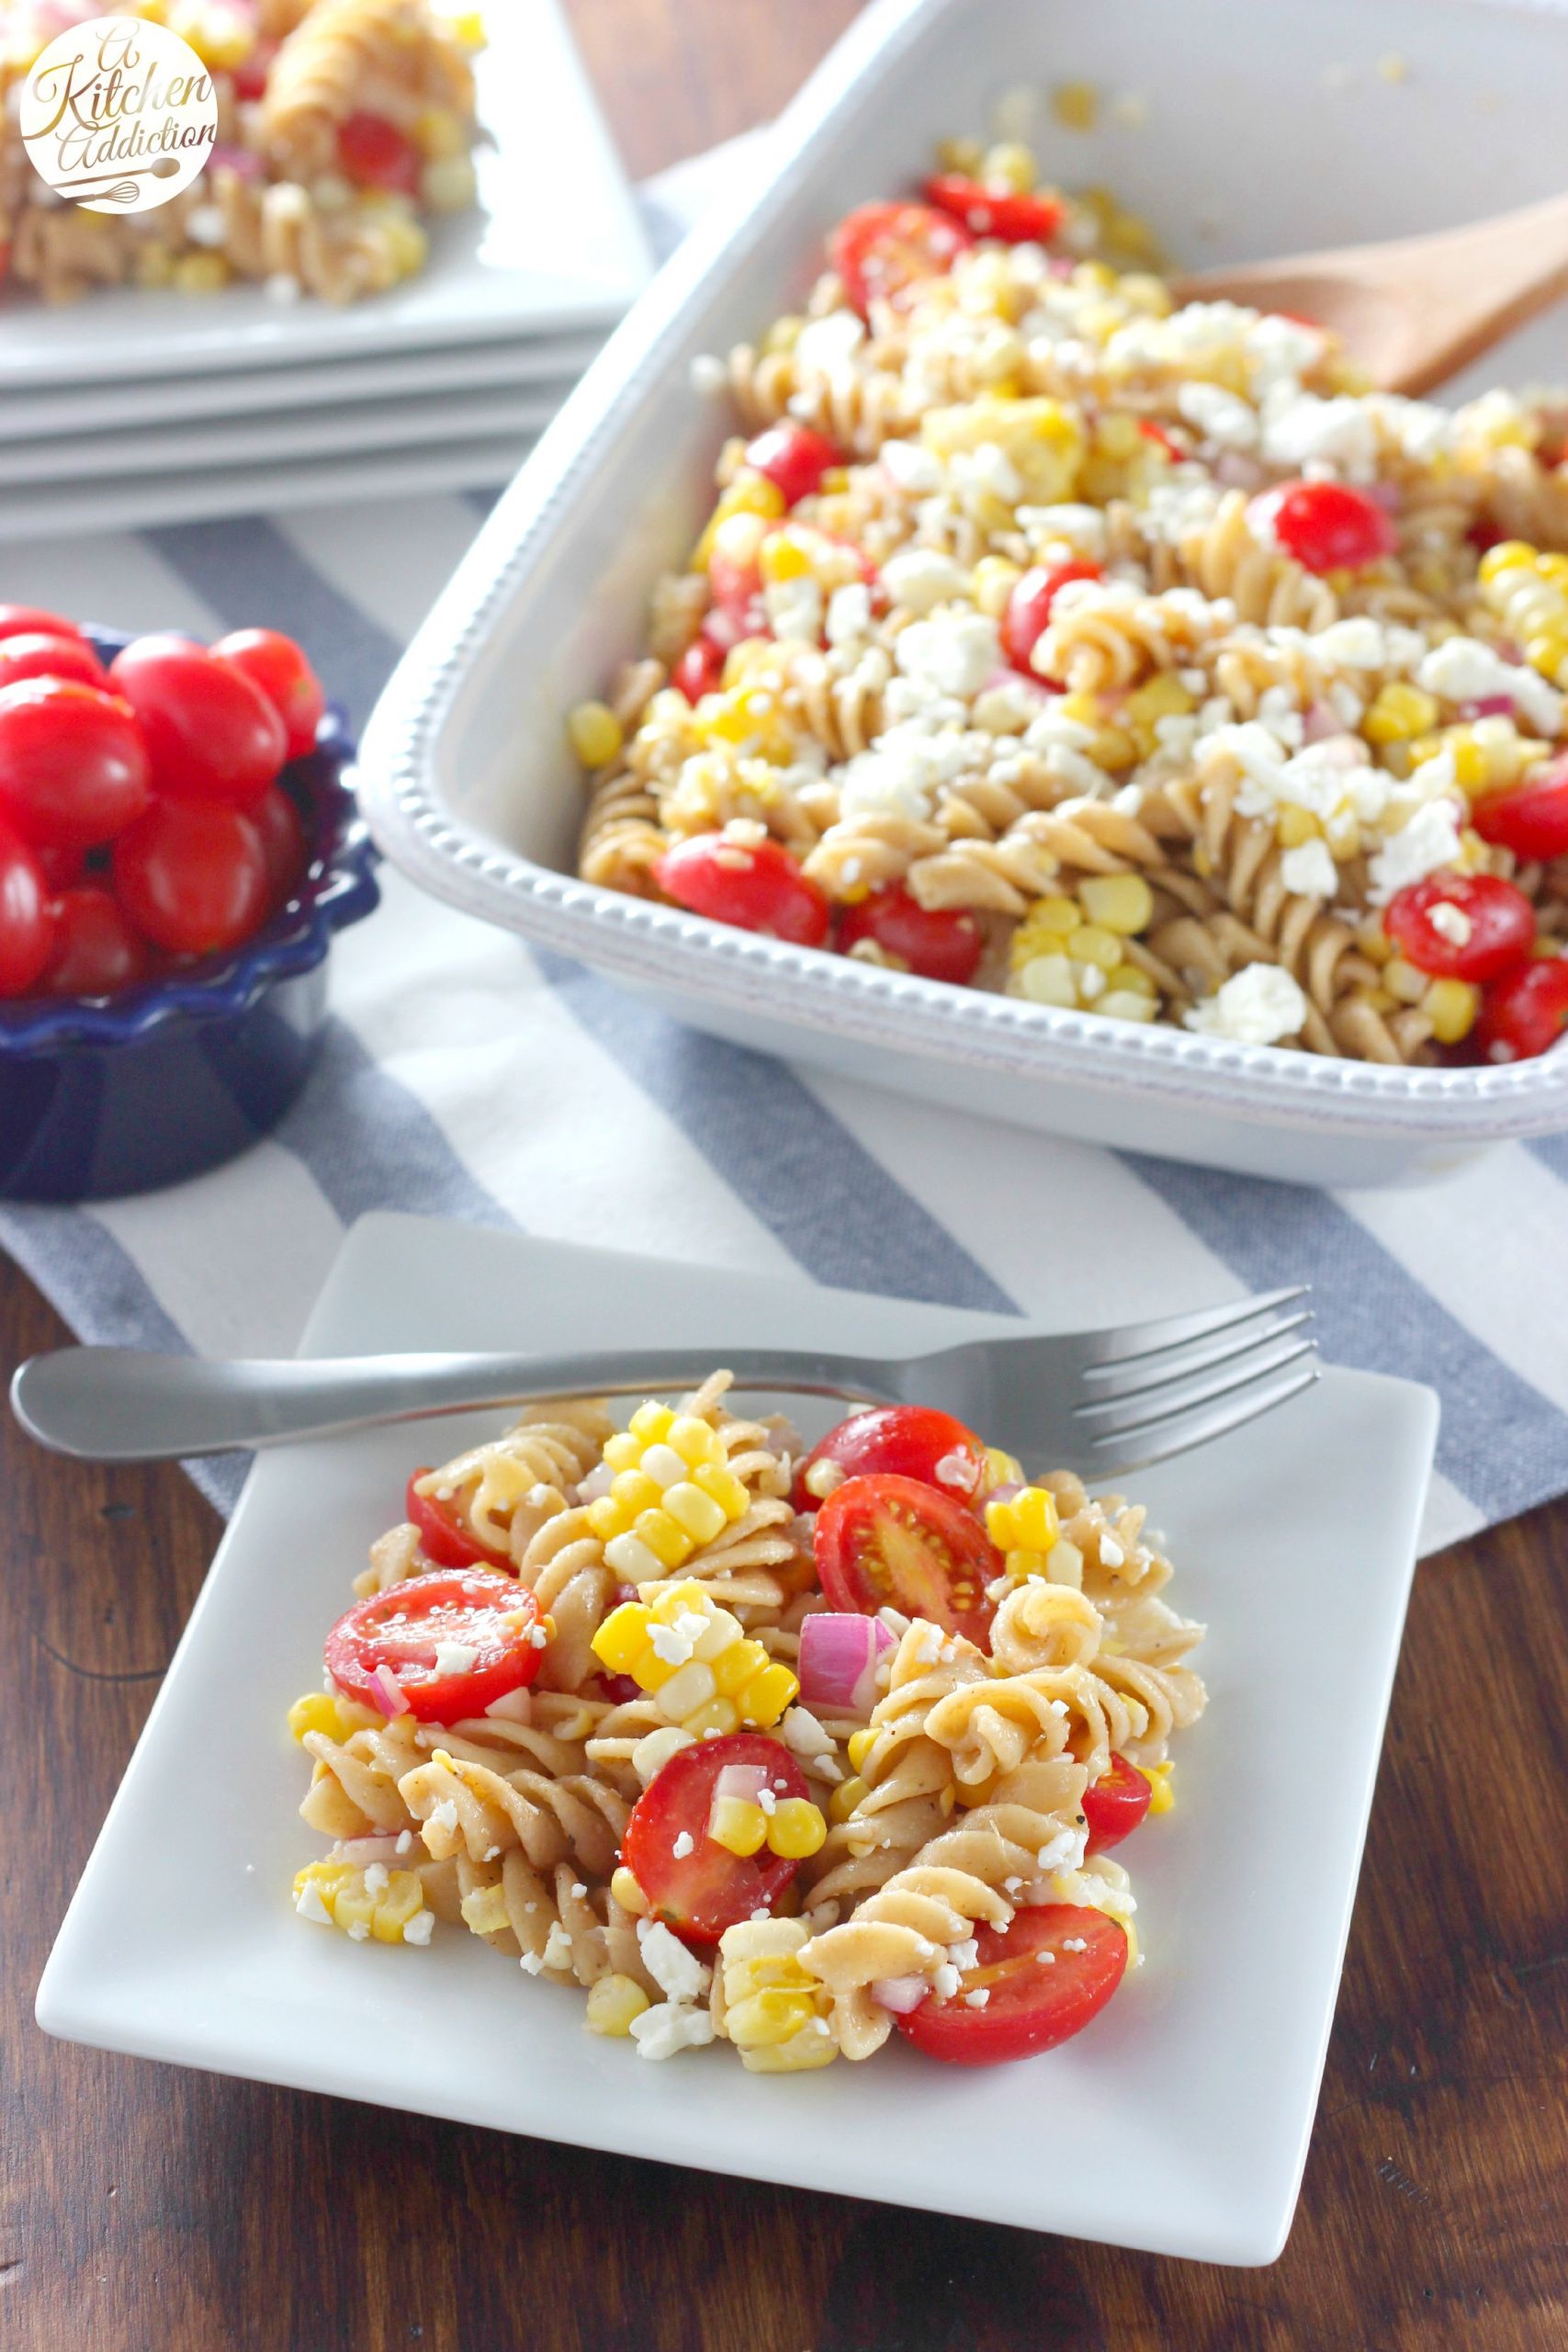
(888, 1540)
(759, 888)
(62, 866)
(1525, 1013)
(399, 1629)
(1162, 439)
(1530, 818)
(1029, 608)
(886, 251)
(250, 78)
(210, 734)
(900, 1441)
(282, 836)
(1114, 1804)
(73, 763)
(443, 1537)
(1003, 213)
(1034, 2003)
(95, 950)
(794, 458)
(26, 919)
(1491, 929)
(938, 943)
(30, 620)
(1328, 526)
(374, 153)
(735, 583)
(702, 1892)
(44, 653)
(700, 669)
(192, 877)
(276, 667)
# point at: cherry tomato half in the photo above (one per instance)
(1328, 526)
(1004, 212)
(900, 1441)
(282, 836)
(45, 653)
(211, 735)
(73, 763)
(1530, 818)
(95, 951)
(758, 887)
(700, 669)
(19, 620)
(705, 1888)
(940, 943)
(493, 1619)
(27, 921)
(1525, 1013)
(276, 667)
(885, 251)
(374, 153)
(1114, 1804)
(192, 877)
(888, 1540)
(443, 1534)
(1035, 2002)
(794, 458)
(1028, 610)
(1492, 926)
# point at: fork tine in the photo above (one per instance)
(1131, 1452)
(1174, 1330)
(1124, 1416)
(1140, 1374)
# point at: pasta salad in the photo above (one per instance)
(788, 1749)
(342, 126)
(1128, 656)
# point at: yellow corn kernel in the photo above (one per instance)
(1469, 759)
(633, 1491)
(1117, 435)
(1009, 165)
(328, 1712)
(1451, 1007)
(1129, 980)
(1022, 1562)
(1117, 902)
(652, 1423)
(1027, 1519)
(669, 1543)
(690, 1687)
(812, 2047)
(765, 2018)
(1047, 979)
(1508, 555)
(719, 1481)
(468, 29)
(738, 522)
(737, 1825)
(1402, 980)
(859, 1747)
(622, 1639)
(1294, 826)
(992, 582)
(401, 1899)
(595, 732)
(1076, 104)
(1162, 1795)
(694, 1440)
(440, 134)
(484, 1911)
(1002, 1469)
(845, 1798)
(1400, 712)
(628, 1893)
(718, 1716)
(612, 2003)
(1090, 944)
(767, 1695)
(734, 1669)
(695, 1513)
(795, 1829)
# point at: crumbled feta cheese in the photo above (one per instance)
(1299, 428)
(1065, 1850)
(376, 1879)
(828, 347)
(679, 1975)
(685, 1844)
(1452, 923)
(670, 1644)
(1465, 670)
(443, 1815)
(922, 577)
(979, 1997)
(794, 609)
(670, 2027)
(405, 1840)
(1257, 1006)
(848, 614)
(417, 1929)
(1309, 871)
(945, 1981)
(1218, 415)
(952, 653)
(358, 1931)
(310, 1904)
(911, 465)
(454, 1657)
(1430, 839)
(1075, 1943)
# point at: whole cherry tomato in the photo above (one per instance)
(27, 920)
(29, 620)
(278, 668)
(1028, 610)
(897, 1441)
(1525, 1013)
(1328, 526)
(282, 834)
(793, 460)
(1461, 926)
(1530, 818)
(73, 767)
(210, 734)
(192, 877)
(700, 669)
(1001, 211)
(887, 250)
(45, 653)
(250, 77)
(373, 152)
(1114, 1804)
(940, 943)
(95, 951)
(757, 886)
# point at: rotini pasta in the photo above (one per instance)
(1022, 575)
(747, 1745)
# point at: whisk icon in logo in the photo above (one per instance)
(118, 115)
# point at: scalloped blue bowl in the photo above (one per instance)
(105, 1095)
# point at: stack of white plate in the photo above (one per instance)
(132, 408)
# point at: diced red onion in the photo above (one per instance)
(391, 1699)
(1005, 1492)
(1321, 722)
(900, 1993)
(1236, 470)
(1488, 706)
(839, 1651)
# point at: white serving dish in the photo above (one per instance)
(1178, 2124)
(555, 244)
(1266, 128)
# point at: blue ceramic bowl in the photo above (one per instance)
(116, 1094)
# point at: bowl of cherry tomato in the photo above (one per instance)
(179, 841)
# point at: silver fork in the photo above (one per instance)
(1096, 1402)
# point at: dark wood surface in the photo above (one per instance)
(142, 2207)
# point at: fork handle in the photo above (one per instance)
(131, 1405)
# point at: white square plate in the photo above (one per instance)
(1294, 1540)
(555, 243)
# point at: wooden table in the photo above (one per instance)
(146, 2210)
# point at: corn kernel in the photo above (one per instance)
(1127, 1004)
(670, 1544)
(696, 1513)
(1090, 944)
(694, 1440)
(727, 1491)
(632, 1560)
(1029, 1518)
(992, 582)
(845, 1798)
(612, 2003)
(1023, 1562)
(734, 1669)
(325, 1711)
(719, 1715)
(1076, 104)
(1002, 1469)
(690, 1687)
(484, 1910)
(1009, 165)
(768, 1694)
(1162, 1796)
(651, 1422)
(1399, 712)
(622, 1637)
(468, 29)
(812, 2047)
(1451, 1007)
(595, 732)
(1129, 979)
(1508, 555)
(739, 524)
(633, 1492)
(797, 1828)
(762, 2018)
(1048, 979)
(1117, 902)
(1402, 980)
(1294, 827)
(628, 1893)
(738, 1825)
